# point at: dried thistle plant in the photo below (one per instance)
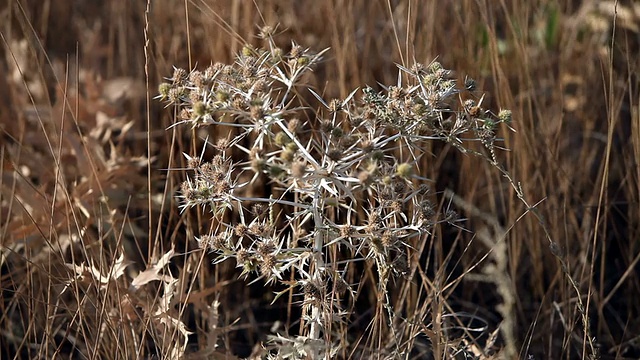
(353, 156)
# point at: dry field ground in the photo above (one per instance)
(235, 211)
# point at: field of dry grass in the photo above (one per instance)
(531, 247)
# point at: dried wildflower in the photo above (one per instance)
(468, 105)
(199, 108)
(243, 255)
(184, 114)
(176, 94)
(404, 170)
(277, 54)
(399, 187)
(505, 116)
(369, 115)
(204, 242)
(268, 265)
(435, 99)
(388, 239)
(197, 78)
(241, 230)
(435, 66)
(401, 264)
(373, 223)
(215, 176)
(260, 86)
(347, 141)
(266, 247)
(259, 210)
(296, 51)
(365, 178)
(239, 103)
(255, 153)
(179, 75)
(419, 109)
(266, 32)
(303, 61)
(424, 189)
(418, 69)
(222, 188)
(222, 96)
(377, 155)
(218, 162)
(335, 105)
(187, 191)
(396, 92)
(227, 70)
(291, 146)
(396, 206)
(282, 139)
(193, 162)
(469, 84)
(489, 124)
(294, 126)
(222, 144)
(386, 195)
(334, 154)
(258, 165)
(326, 126)
(346, 231)
(211, 71)
(337, 132)
(276, 171)
(451, 216)
(298, 169)
(287, 155)
(248, 50)
(246, 260)
(356, 121)
(257, 112)
(257, 229)
(430, 80)
(220, 242)
(312, 291)
(207, 170)
(427, 210)
(367, 146)
(163, 90)
(387, 180)
(448, 87)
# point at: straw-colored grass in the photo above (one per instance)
(528, 242)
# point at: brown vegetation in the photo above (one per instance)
(99, 260)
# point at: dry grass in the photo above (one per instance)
(98, 261)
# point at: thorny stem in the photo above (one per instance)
(318, 262)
